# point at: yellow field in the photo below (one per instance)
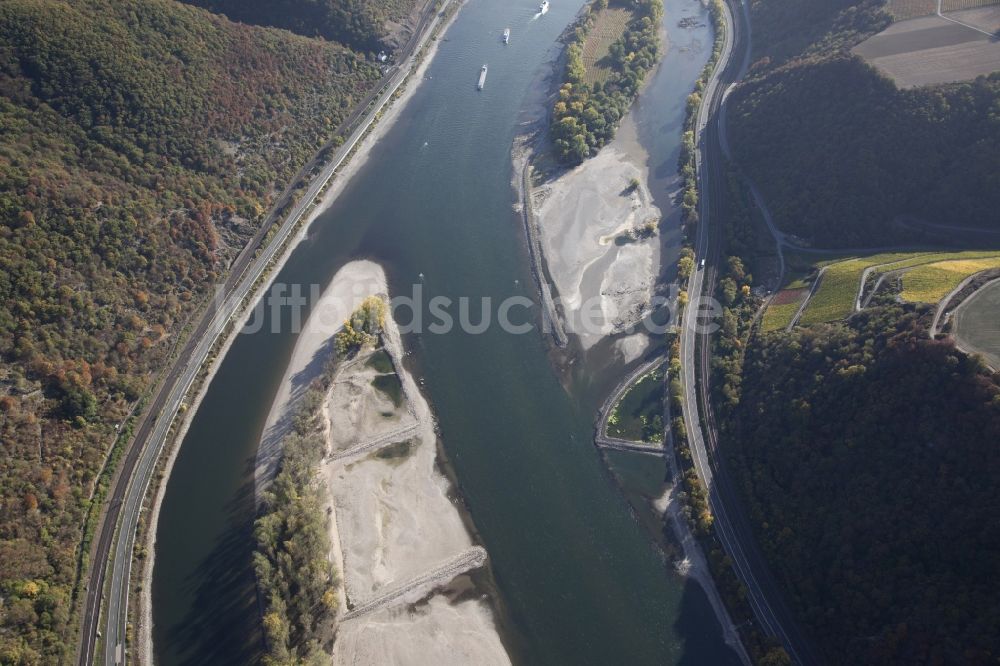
(838, 288)
(835, 297)
(609, 26)
(932, 282)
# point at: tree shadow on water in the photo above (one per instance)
(269, 454)
(223, 623)
(703, 640)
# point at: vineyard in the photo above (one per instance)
(926, 278)
(930, 283)
(956, 5)
(608, 28)
(907, 9)
(782, 308)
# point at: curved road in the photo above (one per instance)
(117, 531)
(731, 526)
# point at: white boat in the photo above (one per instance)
(506, 36)
(544, 7)
(482, 77)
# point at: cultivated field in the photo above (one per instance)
(932, 50)
(932, 282)
(837, 292)
(609, 26)
(838, 289)
(907, 9)
(957, 5)
(782, 309)
(976, 324)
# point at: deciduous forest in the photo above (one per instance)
(359, 24)
(869, 459)
(142, 142)
(841, 154)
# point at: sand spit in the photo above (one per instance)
(349, 287)
(397, 538)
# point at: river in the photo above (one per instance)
(580, 579)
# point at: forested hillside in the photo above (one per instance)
(360, 24)
(841, 154)
(141, 142)
(869, 458)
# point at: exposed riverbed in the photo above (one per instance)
(579, 579)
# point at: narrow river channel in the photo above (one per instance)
(581, 582)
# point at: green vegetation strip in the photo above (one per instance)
(687, 162)
(638, 416)
(297, 581)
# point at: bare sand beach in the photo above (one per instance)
(398, 540)
(604, 278)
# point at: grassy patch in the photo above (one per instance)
(396, 451)
(782, 309)
(609, 26)
(932, 282)
(638, 416)
(380, 362)
(391, 387)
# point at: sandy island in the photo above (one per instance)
(347, 171)
(578, 220)
(398, 541)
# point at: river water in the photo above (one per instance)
(580, 579)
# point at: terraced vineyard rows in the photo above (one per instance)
(782, 309)
(834, 299)
(907, 9)
(608, 29)
(933, 275)
(932, 282)
(956, 5)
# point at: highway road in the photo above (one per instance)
(731, 526)
(117, 531)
